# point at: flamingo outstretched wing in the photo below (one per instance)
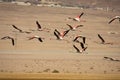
(101, 38)
(78, 51)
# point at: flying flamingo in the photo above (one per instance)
(77, 18)
(60, 35)
(39, 27)
(37, 37)
(112, 59)
(21, 31)
(74, 27)
(114, 18)
(103, 41)
(8, 37)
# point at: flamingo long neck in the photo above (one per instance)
(78, 16)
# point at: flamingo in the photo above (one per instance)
(21, 31)
(60, 35)
(37, 37)
(103, 41)
(8, 37)
(82, 46)
(109, 58)
(116, 17)
(77, 18)
(74, 27)
(39, 27)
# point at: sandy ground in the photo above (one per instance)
(54, 56)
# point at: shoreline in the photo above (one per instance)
(57, 76)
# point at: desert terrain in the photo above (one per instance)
(54, 56)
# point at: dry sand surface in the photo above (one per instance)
(57, 56)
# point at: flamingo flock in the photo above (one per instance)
(59, 35)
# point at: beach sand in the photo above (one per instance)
(58, 57)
